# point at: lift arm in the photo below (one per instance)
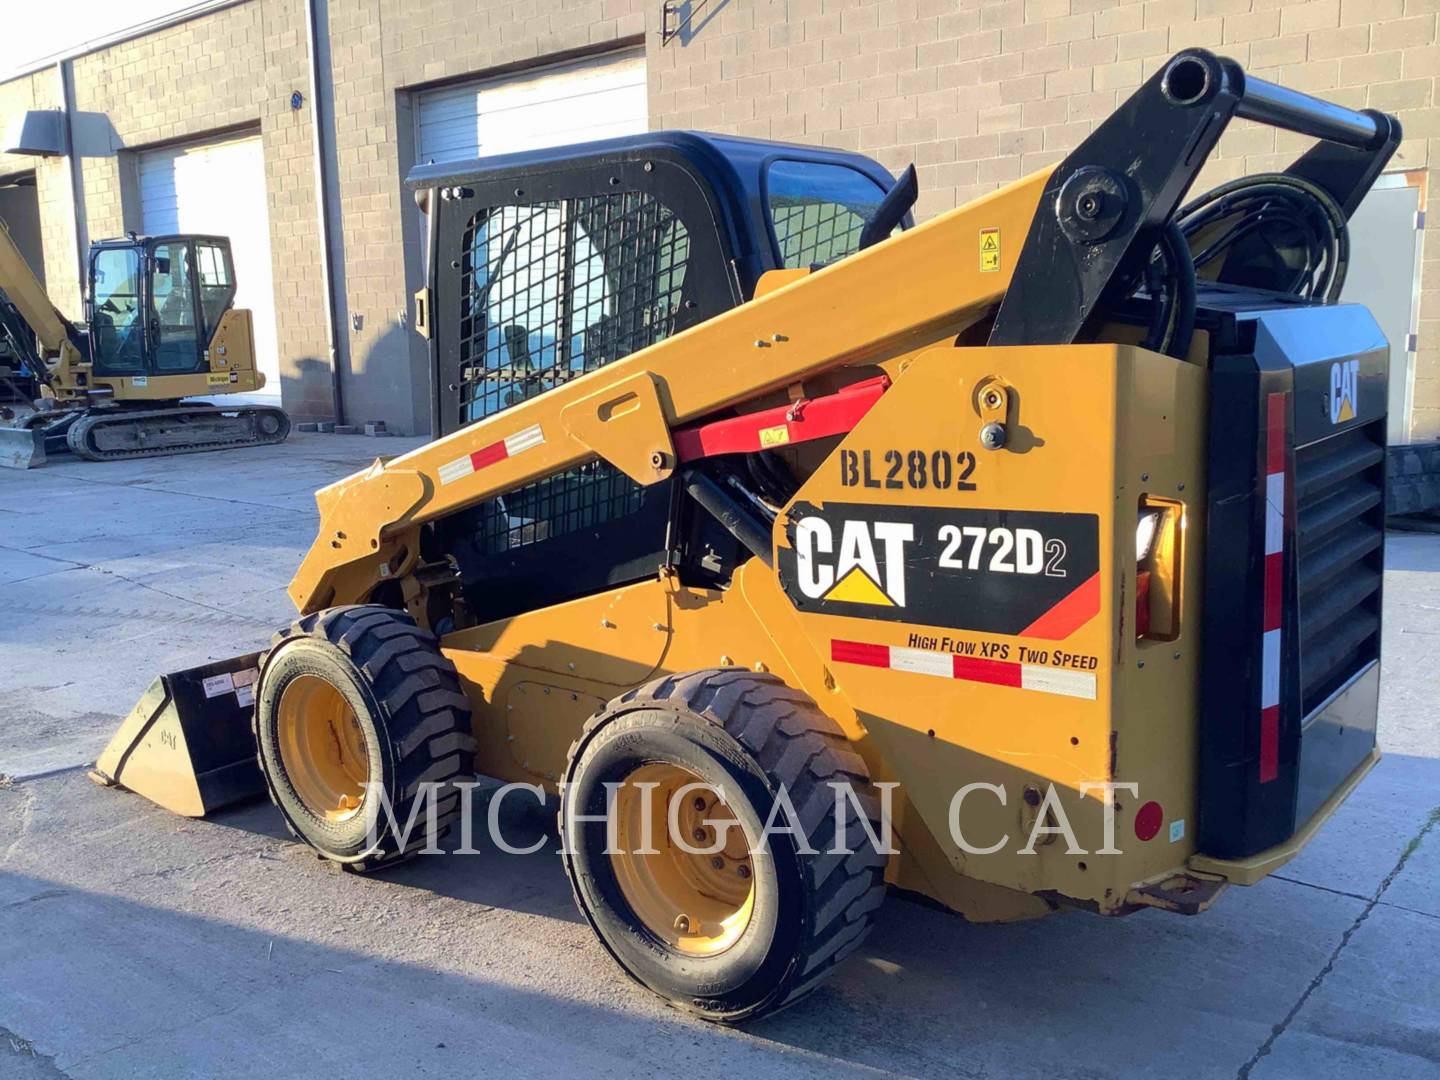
(19, 283)
(1087, 224)
(900, 295)
(55, 335)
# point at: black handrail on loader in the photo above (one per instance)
(1105, 207)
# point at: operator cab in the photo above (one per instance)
(155, 302)
(548, 264)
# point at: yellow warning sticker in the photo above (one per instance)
(989, 250)
(774, 436)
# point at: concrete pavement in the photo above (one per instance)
(137, 944)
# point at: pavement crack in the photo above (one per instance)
(230, 856)
(1322, 888)
(27, 812)
(1371, 903)
(182, 599)
(1353, 896)
(44, 894)
(131, 485)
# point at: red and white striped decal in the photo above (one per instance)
(507, 447)
(1275, 407)
(945, 665)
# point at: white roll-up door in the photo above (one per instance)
(218, 187)
(596, 98)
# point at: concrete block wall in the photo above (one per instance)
(383, 53)
(41, 90)
(979, 92)
(230, 71)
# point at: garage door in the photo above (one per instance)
(219, 187)
(589, 99)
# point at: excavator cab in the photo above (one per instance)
(155, 302)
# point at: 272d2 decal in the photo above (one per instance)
(995, 571)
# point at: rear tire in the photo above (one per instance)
(353, 701)
(712, 953)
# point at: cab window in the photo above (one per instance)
(117, 329)
(178, 346)
(217, 283)
(817, 210)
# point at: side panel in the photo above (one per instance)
(1002, 649)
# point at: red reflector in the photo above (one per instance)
(1148, 820)
(1142, 603)
(1269, 743)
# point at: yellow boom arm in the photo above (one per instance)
(903, 294)
(52, 330)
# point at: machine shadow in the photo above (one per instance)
(51, 927)
(973, 990)
(485, 875)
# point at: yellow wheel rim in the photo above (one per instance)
(698, 904)
(322, 748)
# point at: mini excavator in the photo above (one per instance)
(162, 327)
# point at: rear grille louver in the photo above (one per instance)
(1339, 492)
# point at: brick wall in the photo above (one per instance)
(979, 92)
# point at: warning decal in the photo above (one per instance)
(989, 250)
(1014, 572)
(1046, 680)
(508, 447)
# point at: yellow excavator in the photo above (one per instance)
(1047, 533)
(162, 327)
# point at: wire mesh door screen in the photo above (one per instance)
(550, 291)
(553, 290)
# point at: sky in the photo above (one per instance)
(34, 31)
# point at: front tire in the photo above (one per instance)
(750, 928)
(354, 703)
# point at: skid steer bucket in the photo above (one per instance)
(187, 743)
(21, 448)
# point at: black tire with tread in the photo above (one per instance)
(416, 710)
(792, 742)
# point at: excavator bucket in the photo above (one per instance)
(187, 743)
(21, 448)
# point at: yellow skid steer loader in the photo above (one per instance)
(1025, 559)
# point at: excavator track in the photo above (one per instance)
(186, 429)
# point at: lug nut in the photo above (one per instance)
(718, 863)
(743, 871)
(699, 804)
(699, 835)
(682, 923)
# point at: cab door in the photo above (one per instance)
(117, 311)
(177, 338)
